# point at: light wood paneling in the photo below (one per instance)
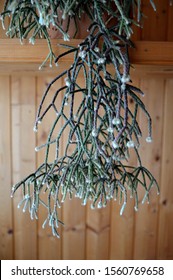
(73, 233)
(73, 213)
(23, 163)
(6, 225)
(87, 234)
(28, 58)
(98, 227)
(52, 250)
(146, 218)
(122, 227)
(165, 229)
(97, 234)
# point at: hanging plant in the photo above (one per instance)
(103, 128)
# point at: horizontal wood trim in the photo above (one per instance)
(16, 57)
(152, 53)
(12, 51)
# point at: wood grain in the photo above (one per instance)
(6, 217)
(145, 52)
(87, 234)
(23, 161)
(48, 245)
(154, 22)
(73, 213)
(98, 233)
(165, 229)
(148, 237)
(146, 219)
(170, 23)
(122, 227)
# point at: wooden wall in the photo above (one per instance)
(157, 25)
(88, 234)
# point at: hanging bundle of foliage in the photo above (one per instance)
(102, 129)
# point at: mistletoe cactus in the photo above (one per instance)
(102, 129)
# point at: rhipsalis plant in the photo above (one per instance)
(101, 130)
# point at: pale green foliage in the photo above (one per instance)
(102, 129)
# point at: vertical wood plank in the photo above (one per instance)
(155, 25)
(136, 35)
(98, 225)
(122, 227)
(73, 213)
(121, 244)
(23, 144)
(6, 228)
(146, 220)
(73, 233)
(49, 246)
(100, 250)
(165, 229)
(170, 23)
(98, 232)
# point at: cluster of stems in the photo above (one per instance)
(34, 18)
(99, 132)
